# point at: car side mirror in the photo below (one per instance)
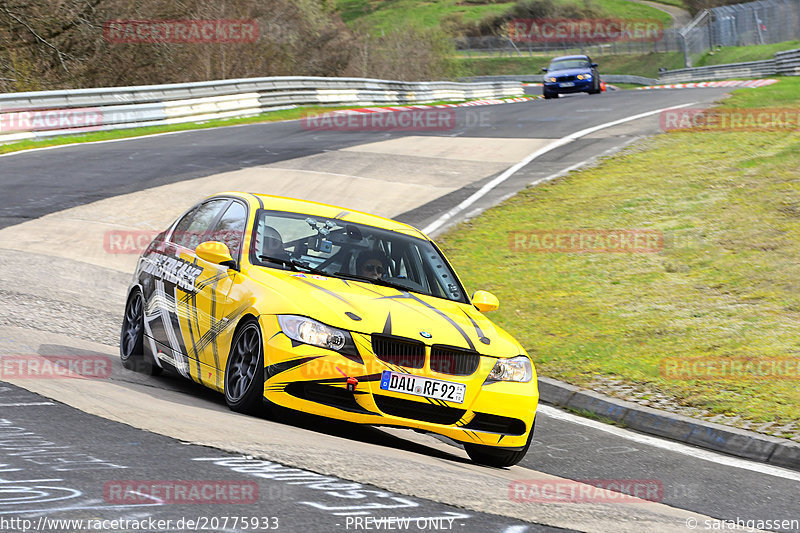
(594, 65)
(215, 252)
(485, 301)
(544, 69)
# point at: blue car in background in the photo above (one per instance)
(571, 74)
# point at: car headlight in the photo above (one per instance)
(309, 331)
(584, 76)
(550, 79)
(514, 369)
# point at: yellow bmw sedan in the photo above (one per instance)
(332, 312)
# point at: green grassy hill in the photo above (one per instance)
(386, 15)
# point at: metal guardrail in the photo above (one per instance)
(786, 63)
(40, 114)
(750, 69)
(538, 78)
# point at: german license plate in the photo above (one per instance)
(419, 386)
(567, 84)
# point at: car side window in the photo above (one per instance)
(230, 228)
(191, 229)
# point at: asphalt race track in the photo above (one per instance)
(66, 444)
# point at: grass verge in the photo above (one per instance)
(724, 286)
(636, 64)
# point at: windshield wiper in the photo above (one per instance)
(294, 264)
(379, 281)
(277, 260)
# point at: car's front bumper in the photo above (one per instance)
(579, 86)
(314, 380)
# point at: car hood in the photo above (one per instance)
(367, 308)
(569, 72)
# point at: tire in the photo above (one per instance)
(596, 89)
(549, 95)
(244, 371)
(131, 340)
(497, 457)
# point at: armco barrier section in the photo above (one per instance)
(538, 78)
(41, 114)
(750, 69)
(786, 63)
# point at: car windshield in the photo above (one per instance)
(564, 64)
(342, 249)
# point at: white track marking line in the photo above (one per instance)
(42, 149)
(442, 220)
(671, 446)
(25, 404)
(585, 162)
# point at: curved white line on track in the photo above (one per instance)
(480, 193)
(672, 446)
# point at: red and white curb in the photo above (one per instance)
(388, 109)
(727, 83)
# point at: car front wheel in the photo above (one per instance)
(244, 371)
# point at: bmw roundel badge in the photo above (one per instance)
(425, 334)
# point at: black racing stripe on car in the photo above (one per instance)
(273, 370)
(483, 338)
(343, 379)
(326, 291)
(191, 303)
(199, 285)
(218, 328)
(356, 358)
(450, 320)
(387, 327)
(214, 322)
(342, 214)
(362, 345)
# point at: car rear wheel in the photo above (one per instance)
(497, 457)
(131, 342)
(244, 372)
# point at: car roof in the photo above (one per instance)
(570, 57)
(295, 205)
